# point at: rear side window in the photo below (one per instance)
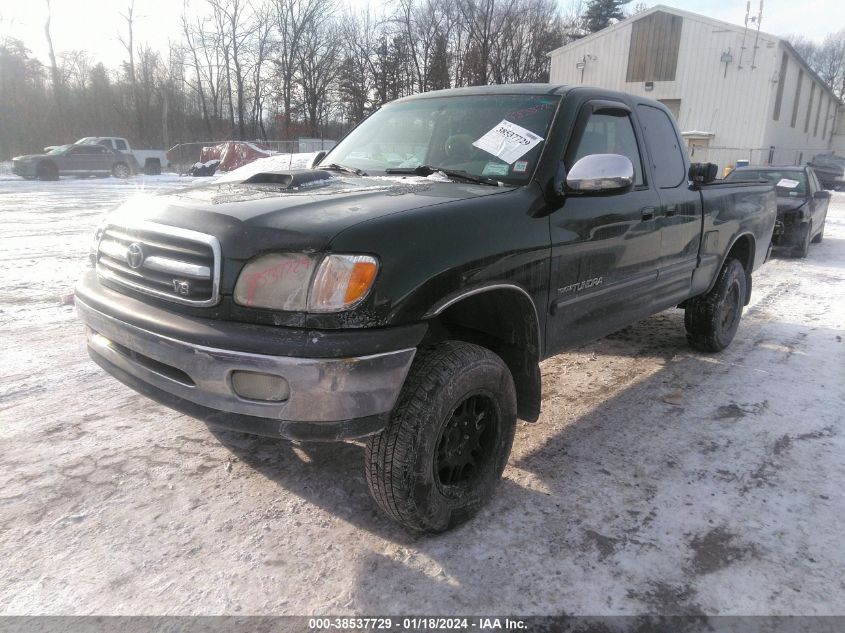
(107, 142)
(121, 145)
(607, 132)
(667, 159)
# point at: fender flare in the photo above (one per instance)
(455, 297)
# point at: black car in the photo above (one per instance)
(802, 204)
(830, 170)
(75, 160)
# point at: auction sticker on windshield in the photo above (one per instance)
(787, 183)
(508, 141)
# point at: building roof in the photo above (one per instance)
(701, 18)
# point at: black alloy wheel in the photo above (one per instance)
(465, 444)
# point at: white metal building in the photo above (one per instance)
(738, 94)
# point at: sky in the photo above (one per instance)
(93, 25)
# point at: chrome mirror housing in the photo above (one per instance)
(598, 173)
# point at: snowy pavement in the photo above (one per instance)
(658, 480)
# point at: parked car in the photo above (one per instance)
(411, 304)
(75, 160)
(802, 204)
(152, 160)
(830, 170)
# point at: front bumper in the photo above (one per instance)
(20, 168)
(330, 398)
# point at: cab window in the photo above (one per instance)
(121, 145)
(606, 132)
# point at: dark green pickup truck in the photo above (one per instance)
(405, 288)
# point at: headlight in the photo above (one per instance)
(279, 281)
(341, 282)
(289, 281)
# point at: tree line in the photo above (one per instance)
(826, 59)
(284, 69)
(278, 69)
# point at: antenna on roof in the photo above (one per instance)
(742, 47)
(757, 36)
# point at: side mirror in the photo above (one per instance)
(821, 194)
(601, 173)
(703, 173)
(316, 158)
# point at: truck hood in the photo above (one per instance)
(249, 218)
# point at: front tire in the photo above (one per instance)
(448, 440)
(803, 249)
(820, 235)
(120, 170)
(47, 171)
(712, 319)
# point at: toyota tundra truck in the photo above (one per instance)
(403, 289)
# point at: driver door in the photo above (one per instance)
(605, 246)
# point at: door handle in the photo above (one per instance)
(671, 210)
(647, 213)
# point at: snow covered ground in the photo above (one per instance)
(658, 480)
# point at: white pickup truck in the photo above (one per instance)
(150, 160)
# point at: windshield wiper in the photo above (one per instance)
(427, 170)
(344, 169)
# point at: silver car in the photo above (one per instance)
(75, 160)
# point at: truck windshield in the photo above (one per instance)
(489, 137)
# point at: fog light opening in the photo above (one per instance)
(252, 385)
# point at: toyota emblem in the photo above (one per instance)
(135, 255)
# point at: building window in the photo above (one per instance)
(826, 117)
(810, 107)
(818, 114)
(653, 51)
(797, 98)
(781, 81)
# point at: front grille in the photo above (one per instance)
(175, 264)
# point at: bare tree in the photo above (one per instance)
(54, 68)
(318, 56)
(294, 18)
(128, 42)
(189, 38)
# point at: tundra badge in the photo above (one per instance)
(580, 285)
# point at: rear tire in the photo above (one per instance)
(47, 171)
(152, 167)
(448, 440)
(712, 319)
